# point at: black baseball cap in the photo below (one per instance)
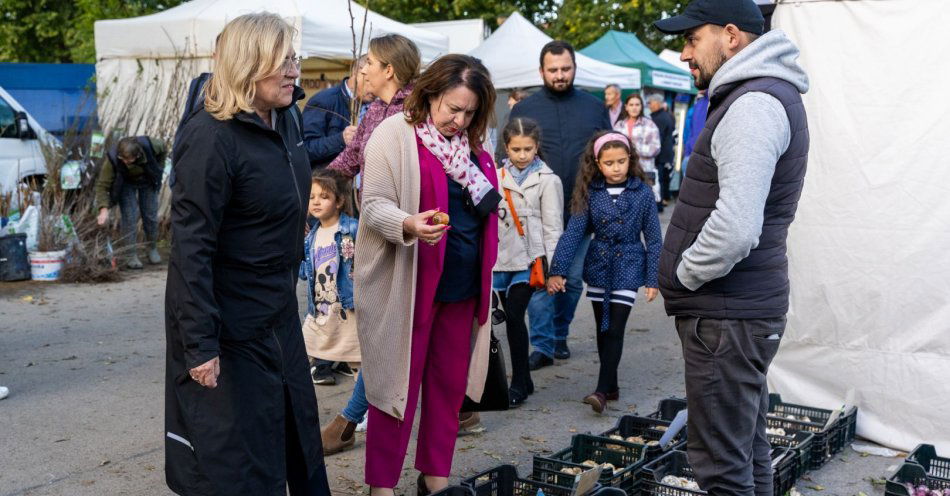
(743, 13)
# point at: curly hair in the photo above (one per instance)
(590, 171)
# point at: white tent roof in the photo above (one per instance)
(511, 55)
(673, 57)
(464, 34)
(190, 29)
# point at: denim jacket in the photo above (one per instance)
(617, 258)
(346, 247)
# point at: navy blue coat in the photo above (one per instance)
(324, 118)
(617, 258)
(567, 120)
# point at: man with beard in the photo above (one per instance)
(568, 118)
(723, 269)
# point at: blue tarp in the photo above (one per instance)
(58, 96)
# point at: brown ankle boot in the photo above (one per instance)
(338, 435)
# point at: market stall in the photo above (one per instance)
(869, 322)
(144, 64)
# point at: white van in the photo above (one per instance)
(21, 156)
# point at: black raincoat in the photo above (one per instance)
(239, 198)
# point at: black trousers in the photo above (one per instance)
(515, 302)
(610, 344)
(727, 398)
(298, 482)
(666, 173)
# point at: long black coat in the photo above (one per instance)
(239, 199)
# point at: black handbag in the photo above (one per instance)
(495, 395)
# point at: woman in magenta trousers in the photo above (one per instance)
(423, 281)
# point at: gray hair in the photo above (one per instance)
(612, 85)
(655, 98)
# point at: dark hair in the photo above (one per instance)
(590, 171)
(333, 181)
(128, 147)
(518, 94)
(449, 72)
(623, 109)
(557, 47)
(522, 126)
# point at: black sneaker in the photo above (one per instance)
(343, 368)
(516, 398)
(322, 374)
(561, 351)
(539, 360)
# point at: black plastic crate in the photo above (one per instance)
(672, 463)
(503, 480)
(820, 445)
(647, 428)
(626, 457)
(668, 408)
(455, 491)
(925, 455)
(845, 429)
(801, 443)
(911, 472)
(784, 473)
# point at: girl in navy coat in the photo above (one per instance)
(613, 200)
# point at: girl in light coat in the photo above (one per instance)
(536, 200)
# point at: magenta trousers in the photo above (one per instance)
(441, 350)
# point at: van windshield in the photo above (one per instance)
(7, 120)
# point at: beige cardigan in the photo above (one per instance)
(385, 271)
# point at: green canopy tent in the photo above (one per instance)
(626, 50)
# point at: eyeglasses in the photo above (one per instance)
(289, 62)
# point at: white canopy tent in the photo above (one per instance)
(673, 57)
(144, 64)
(511, 55)
(869, 322)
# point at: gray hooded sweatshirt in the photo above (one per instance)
(746, 145)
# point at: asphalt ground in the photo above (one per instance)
(85, 365)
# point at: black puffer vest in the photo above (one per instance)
(757, 287)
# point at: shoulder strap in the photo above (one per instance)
(293, 114)
(511, 207)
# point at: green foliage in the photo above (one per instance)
(446, 10)
(584, 21)
(62, 30)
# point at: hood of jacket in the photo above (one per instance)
(771, 55)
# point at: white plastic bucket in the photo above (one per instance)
(46, 265)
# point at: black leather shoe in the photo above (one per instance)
(516, 398)
(539, 360)
(561, 351)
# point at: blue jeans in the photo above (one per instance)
(357, 406)
(551, 315)
(135, 201)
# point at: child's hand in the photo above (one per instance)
(556, 284)
(651, 294)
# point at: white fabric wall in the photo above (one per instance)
(868, 252)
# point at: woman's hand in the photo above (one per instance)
(418, 226)
(651, 294)
(103, 216)
(556, 284)
(207, 373)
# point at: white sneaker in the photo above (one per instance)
(4, 392)
(361, 427)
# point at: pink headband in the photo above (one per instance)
(603, 140)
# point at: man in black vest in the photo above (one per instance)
(723, 270)
(131, 178)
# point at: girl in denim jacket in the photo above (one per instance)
(330, 327)
(613, 200)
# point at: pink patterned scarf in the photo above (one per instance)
(455, 156)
